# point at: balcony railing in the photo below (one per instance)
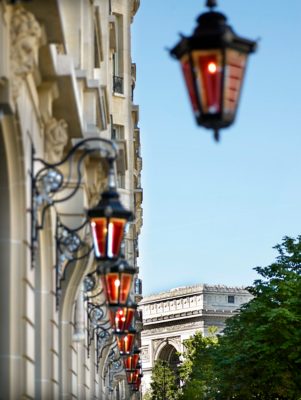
(117, 84)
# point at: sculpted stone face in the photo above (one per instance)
(56, 137)
(25, 37)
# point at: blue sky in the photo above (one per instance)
(212, 211)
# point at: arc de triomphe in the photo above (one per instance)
(171, 317)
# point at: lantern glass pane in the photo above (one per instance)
(99, 234)
(130, 363)
(117, 286)
(209, 70)
(190, 82)
(121, 319)
(235, 64)
(125, 287)
(125, 343)
(112, 287)
(115, 235)
(132, 377)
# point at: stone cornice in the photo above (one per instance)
(193, 290)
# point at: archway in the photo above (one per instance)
(169, 354)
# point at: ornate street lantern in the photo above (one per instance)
(137, 384)
(131, 361)
(121, 318)
(213, 62)
(117, 281)
(125, 343)
(108, 220)
(134, 377)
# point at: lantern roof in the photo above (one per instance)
(212, 32)
(110, 206)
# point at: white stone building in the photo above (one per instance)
(171, 317)
(66, 73)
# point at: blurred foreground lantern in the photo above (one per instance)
(125, 343)
(121, 318)
(117, 281)
(108, 220)
(213, 62)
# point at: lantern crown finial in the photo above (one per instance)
(211, 4)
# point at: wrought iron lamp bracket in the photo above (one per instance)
(49, 186)
(69, 248)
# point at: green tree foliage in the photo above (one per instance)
(197, 370)
(163, 382)
(259, 354)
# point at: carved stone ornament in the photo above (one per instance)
(98, 186)
(139, 219)
(145, 353)
(25, 35)
(56, 138)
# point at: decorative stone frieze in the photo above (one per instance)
(145, 356)
(56, 138)
(25, 34)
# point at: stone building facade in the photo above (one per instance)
(66, 74)
(169, 318)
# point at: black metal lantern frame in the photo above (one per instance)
(213, 62)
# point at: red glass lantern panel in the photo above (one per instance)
(208, 68)
(125, 343)
(121, 318)
(235, 65)
(190, 83)
(107, 236)
(118, 286)
(137, 384)
(131, 362)
(132, 377)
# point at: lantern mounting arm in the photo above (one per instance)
(68, 247)
(48, 180)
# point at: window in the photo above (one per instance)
(231, 299)
(118, 57)
(117, 132)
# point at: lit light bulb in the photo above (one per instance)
(212, 68)
(117, 283)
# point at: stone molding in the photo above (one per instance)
(195, 289)
(25, 34)
(172, 328)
